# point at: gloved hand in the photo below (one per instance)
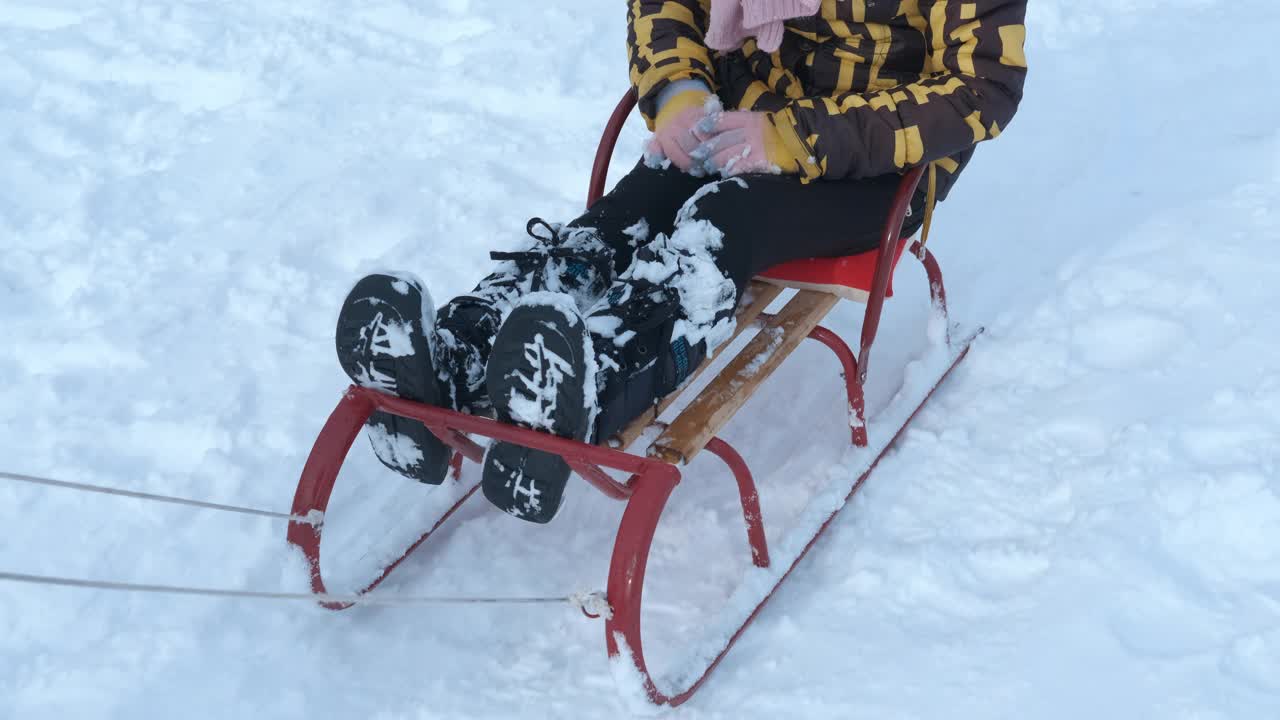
(678, 115)
(740, 142)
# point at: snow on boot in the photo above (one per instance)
(562, 259)
(540, 375)
(383, 343)
(639, 360)
(553, 371)
(658, 323)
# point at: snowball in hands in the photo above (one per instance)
(676, 135)
(739, 142)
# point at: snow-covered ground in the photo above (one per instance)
(1084, 523)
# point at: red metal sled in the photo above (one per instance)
(652, 478)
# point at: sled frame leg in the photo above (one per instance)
(320, 474)
(851, 369)
(623, 630)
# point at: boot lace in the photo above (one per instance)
(553, 243)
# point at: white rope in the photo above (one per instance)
(312, 518)
(591, 602)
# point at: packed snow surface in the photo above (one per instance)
(1084, 522)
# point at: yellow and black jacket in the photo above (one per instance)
(864, 88)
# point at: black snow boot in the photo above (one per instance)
(642, 359)
(383, 343)
(562, 259)
(540, 375)
(657, 325)
(586, 378)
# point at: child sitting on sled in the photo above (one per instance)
(781, 128)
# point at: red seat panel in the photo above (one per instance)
(850, 276)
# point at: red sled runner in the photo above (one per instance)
(820, 285)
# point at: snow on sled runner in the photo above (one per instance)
(820, 285)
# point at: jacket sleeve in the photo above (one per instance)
(665, 43)
(976, 65)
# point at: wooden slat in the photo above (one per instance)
(739, 380)
(758, 297)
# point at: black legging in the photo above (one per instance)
(773, 219)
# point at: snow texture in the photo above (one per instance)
(396, 448)
(404, 282)
(1083, 523)
(686, 262)
(639, 232)
(390, 338)
(536, 406)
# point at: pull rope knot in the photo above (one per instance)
(592, 604)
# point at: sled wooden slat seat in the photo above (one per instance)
(758, 297)
(716, 405)
(822, 283)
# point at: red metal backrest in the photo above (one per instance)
(608, 141)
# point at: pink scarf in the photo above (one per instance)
(733, 21)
